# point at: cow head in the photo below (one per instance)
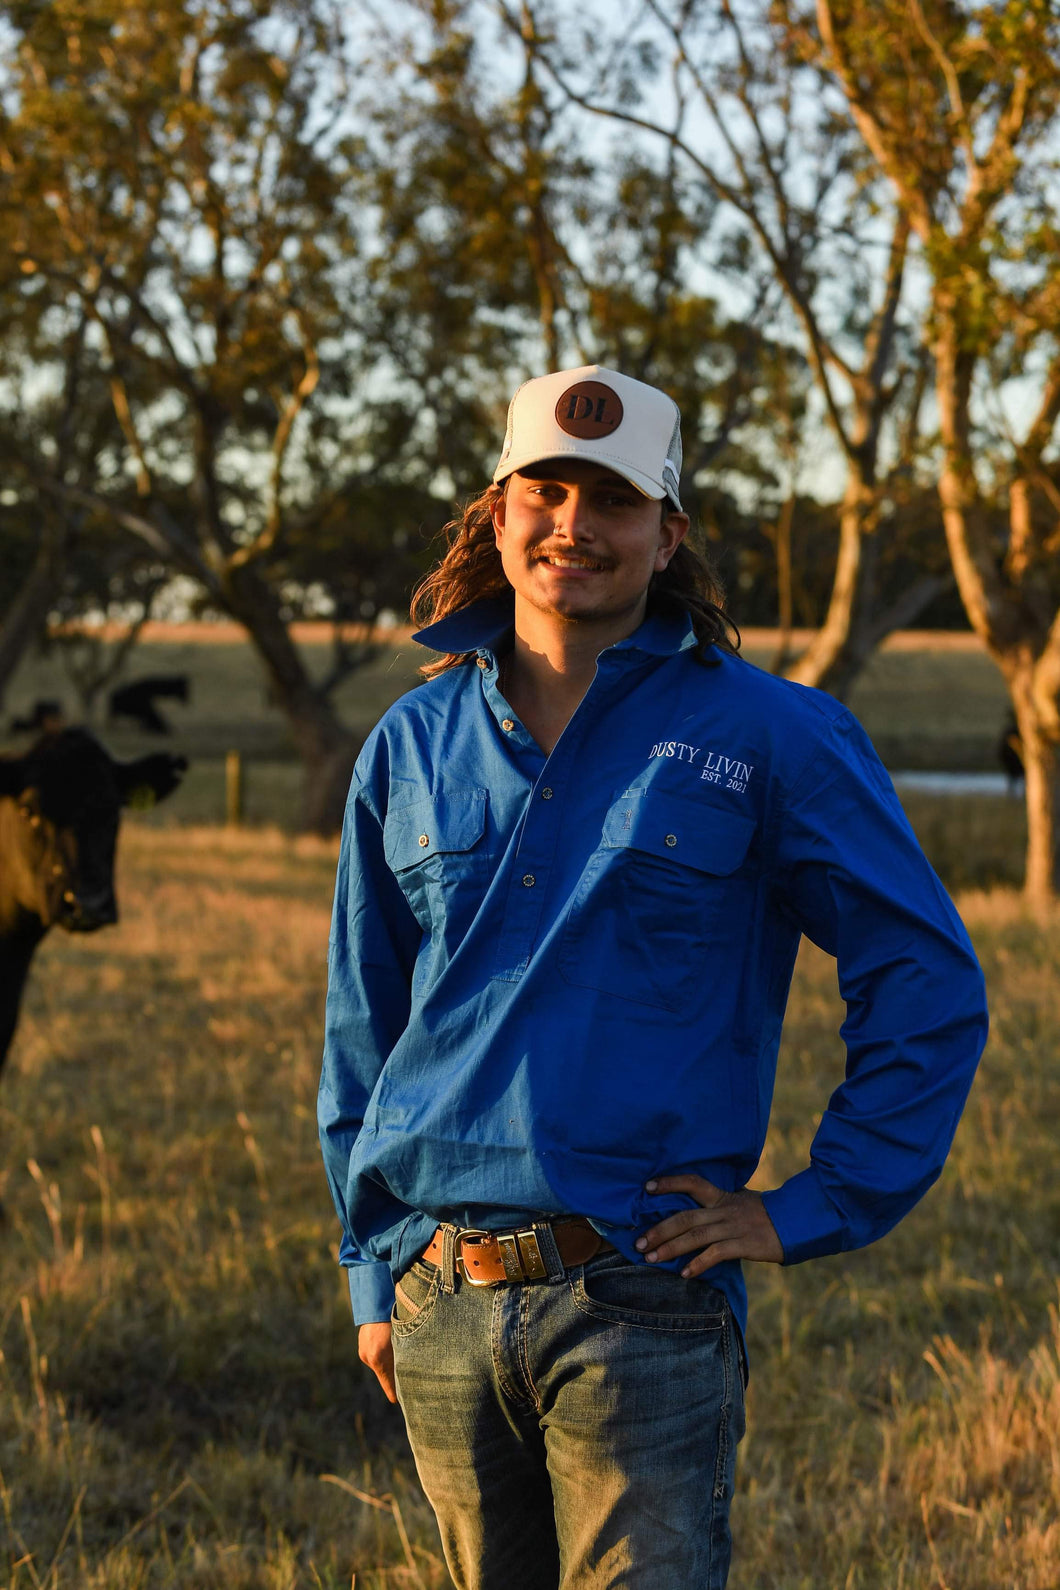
(60, 824)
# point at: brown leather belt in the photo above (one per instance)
(488, 1258)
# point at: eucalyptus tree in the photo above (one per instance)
(56, 424)
(808, 227)
(958, 106)
(182, 181)
(537, 247)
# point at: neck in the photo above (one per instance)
(552, 665)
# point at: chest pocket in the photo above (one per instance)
(437, 849)
(670, 884)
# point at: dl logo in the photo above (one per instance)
(589, 409)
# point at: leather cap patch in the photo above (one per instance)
(589, 410)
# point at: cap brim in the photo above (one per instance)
(591, 455)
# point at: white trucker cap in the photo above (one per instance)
(602, 416)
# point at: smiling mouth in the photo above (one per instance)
(562, 560)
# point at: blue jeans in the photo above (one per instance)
(575, 1435)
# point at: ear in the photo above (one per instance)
(149, 779)
(14, 775)
(672, 532)
(497, 512)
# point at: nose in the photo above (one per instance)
(573, 517)
(85, 913)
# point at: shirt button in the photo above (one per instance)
(424, 841)
(671, 840)
(529, 880)
(507, 724)
(546, 794)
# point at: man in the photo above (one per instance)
(574, 872)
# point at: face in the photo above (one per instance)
(580, 544)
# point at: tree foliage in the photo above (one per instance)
(802, 228)
(178, 195)
(959, 108)
(270, 269)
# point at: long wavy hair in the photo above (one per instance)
(470, 570)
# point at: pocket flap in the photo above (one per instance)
(451, 820)
(686, 831)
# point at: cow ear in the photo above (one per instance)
(14, 775)
(149, 779)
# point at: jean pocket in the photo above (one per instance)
(639, 1295)
(415, 1295)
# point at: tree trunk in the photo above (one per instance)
(785, 615)
(326, 786)
(1039, 753)
(1039, 765)
(999, 617)
(328, 749)
(27, 616)
(841, 646)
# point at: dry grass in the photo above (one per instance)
(178, 1369)
(180, 1401)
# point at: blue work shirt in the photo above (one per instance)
(552, 978)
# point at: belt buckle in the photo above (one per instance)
(472, 1280)
(521, 1256)
(534, 1267)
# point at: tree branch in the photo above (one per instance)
(822, 352)
(168, 543)
(265, 542)
(870, 128)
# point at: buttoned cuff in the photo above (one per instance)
(805, 1219)
(371, 1292)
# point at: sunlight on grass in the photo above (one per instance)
(180, 1398)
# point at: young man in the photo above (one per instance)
(574, 873)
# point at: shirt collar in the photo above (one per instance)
(479, 626)
(484, 624)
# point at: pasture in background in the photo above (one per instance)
(180, 1399)
(929, 703)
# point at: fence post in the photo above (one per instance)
(233, 789)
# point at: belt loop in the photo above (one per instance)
(448, 1264)
(554, 1270)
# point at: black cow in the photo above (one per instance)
(59, 811)
(47, 717)
(137, 700)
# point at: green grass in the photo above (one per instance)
(179, 1375)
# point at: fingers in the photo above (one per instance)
(697, 1187)
(385, 1377)
(678, 1234)
(376, 1349)
(714, 1204)
(734, 1226)
(716, 1253)
(686, 1232)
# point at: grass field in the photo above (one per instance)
(926, 709)
(180, 1400)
